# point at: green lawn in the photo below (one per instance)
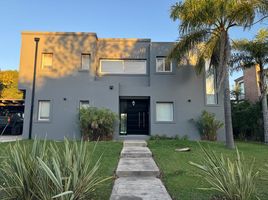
(181, 179)
(110, 155)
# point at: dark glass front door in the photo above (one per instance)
(134, 116)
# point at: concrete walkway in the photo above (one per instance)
(138, 174)
(10, 138)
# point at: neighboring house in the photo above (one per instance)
(131, 77)
(249, 84)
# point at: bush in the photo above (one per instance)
(208, 126)
(97, 123)
(247, 121)
(44, 171)
(235, 180)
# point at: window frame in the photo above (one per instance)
(123, 61)
(39, 112)
(215, 86)
(173, 112)
(42, 61)
(80, 101)
(81, 67)
(164, 69)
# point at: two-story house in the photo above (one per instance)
(249, 84)
(131, 77)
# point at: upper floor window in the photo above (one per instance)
(85, 61)
(241, 87)
(44, 110)
(47, 60)
(162, 65)
(211, 94)
(123, 66)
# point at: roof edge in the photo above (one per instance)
(57, 33)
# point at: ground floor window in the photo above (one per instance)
(164, 111)
(84, 104)
(43, 110)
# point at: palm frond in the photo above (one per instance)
(187, 43)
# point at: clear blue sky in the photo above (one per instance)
(108, 18)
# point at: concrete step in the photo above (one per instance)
(136, 152)
(132, 137)
(135, 143)
(142, 167)
(136, 188)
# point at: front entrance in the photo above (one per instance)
(134, 116)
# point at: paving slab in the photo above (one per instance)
(142, 167)
(133, 188)
(136, 152)
(10, 138)
(135, 143)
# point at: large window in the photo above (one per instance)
(162, 65)
(211, 94)
(164, 111)
(242, 90)
(47, 60)
(85, 61)
(123, 66)
(43, 110)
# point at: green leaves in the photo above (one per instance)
(208, 125)
(47, 172)
(234, 179)
(9, 85)
(97, 123)
(203, 23)
(250, 53)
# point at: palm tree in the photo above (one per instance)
(251, 54)
(236, 93)
(208, 22)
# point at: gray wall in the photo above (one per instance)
(74, 85)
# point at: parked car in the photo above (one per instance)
(11, 122)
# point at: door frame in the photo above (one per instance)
(136, 98)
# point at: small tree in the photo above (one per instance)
(208, 125)
(251, 54)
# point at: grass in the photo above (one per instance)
(181, 178)
(110, 155)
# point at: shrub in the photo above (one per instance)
(235, 180)
(44, 172)
(97, 123)
(247, 121)
(208, 125)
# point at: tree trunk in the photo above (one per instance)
(228, 114)
(225, 52)
(264, 103)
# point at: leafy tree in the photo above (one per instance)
(208, 22)
(251, 53)
(9, 85)
(247, 121)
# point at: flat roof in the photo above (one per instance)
(57, 33)
(84, 33)
(239, 78)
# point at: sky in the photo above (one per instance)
(108, 18)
